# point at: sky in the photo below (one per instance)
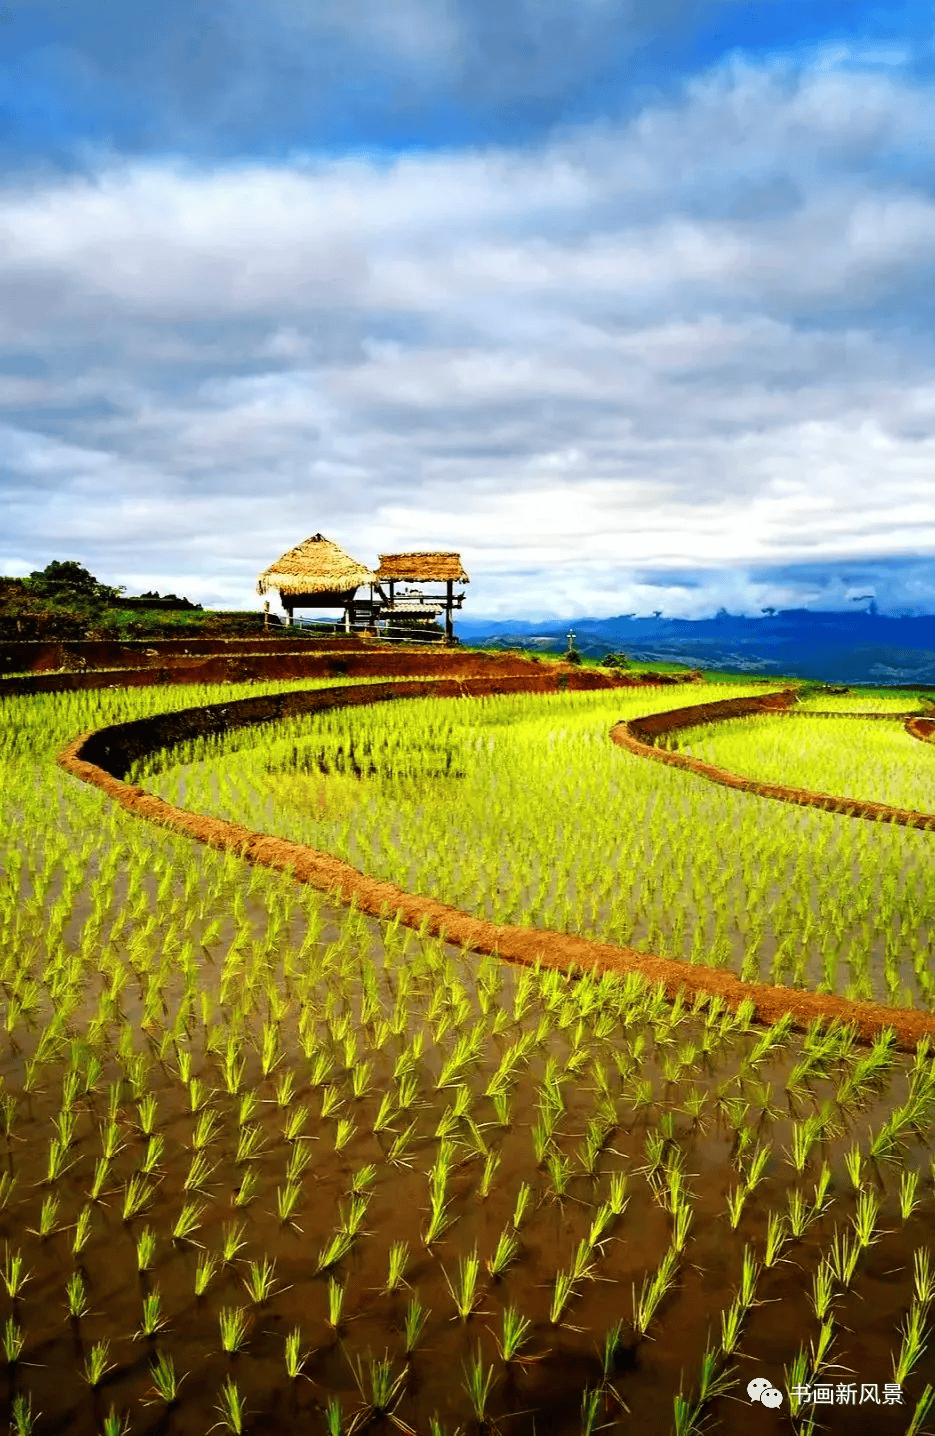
(630, 302)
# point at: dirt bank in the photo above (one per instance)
(639, 735)
(82, 654)
(102, 758)
(922, 728)
(265, 666)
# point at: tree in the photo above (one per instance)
(69, 582)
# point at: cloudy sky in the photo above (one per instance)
(630, 301)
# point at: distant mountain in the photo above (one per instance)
(849, 647)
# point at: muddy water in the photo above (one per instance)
(544, 1394)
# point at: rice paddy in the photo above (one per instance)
(517, 809)
(271, 1165)
(878, 761)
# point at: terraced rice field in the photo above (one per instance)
(273, 1165)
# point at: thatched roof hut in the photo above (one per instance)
(422, 567)
(315, 574)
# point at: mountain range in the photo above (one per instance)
(839, 647)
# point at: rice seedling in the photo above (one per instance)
(206, 1129)
(82, 1231)
(48, 1216)
(335, 1302)
(617, 1198)
(363, 1178)
(821, 1189)
(295, 1358)
(96, 1363)
(246, 1192)
(249, 1106)
(76, 1296)
(101, 1173)
(562, 1293)
(514, 1333)
(385, 1113)
(776, 1238)
(913, 1332)
(843, 1256)
(136, 1196)
(334, 1250)
(231, 1406)
(205, 1269)
(154, 1150)
(249, 1144)
(464, 1291)
(735, 1203)
(523, 1198)
(352, 1224)
(295, 1121)
(22, 1414)
(232, 1322)
(683, 1217)
(909, 1199)
(414, 1324)
(232, 1241)
(801, 1214)
(299, 1159)
(923, 1408)
(923, 1276)
(822, 1295)
(153, 1318)
(560, 1172)
(652, 1290)
(478, 1381)
(145, 1249)
(331, 1100)
(188, 1221)
(14, 1339)
(398, 1261)
(344, 1133)
(854, 1162)
(864, 1220)
(491, 1163)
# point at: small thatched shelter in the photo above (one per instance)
(423, 567)
(315, 574)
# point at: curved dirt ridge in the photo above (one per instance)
(921, 728)
(638, 736)
(103, 757)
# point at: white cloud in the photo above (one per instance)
(688, 341)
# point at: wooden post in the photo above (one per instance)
(449, 629)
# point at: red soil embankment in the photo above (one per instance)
(94, 653)
(922, 728)
(638, 736)
(102, 757)
(360, 661)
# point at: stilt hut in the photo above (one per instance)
(316, 574)
(420, 568)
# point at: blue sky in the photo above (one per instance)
(630, 303)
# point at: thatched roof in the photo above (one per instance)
(315, 566)
(422, 567)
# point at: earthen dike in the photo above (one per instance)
(104, 758)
